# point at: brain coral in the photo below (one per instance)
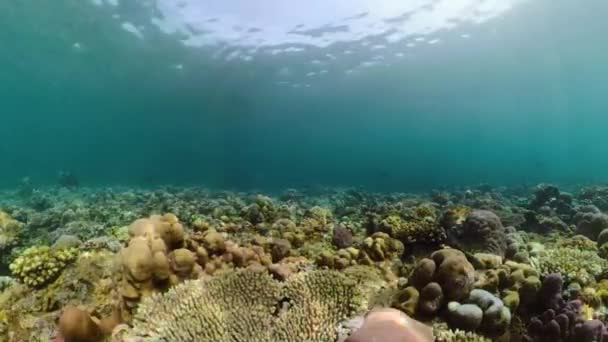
(248, 306)
(482, 231)
(9, 230)
(39, 265)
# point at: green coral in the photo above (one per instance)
(39, 265)
(249, 306)
(573, 264)
(579, 242)
(418, 225)
(9, 230)
(443, 334)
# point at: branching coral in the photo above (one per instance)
(573, 264)
(39, 265)
(249, 306)
(444, 334)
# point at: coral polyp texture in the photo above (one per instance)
(249, 306)
(39, 265)
(9, 230)
(190, 264)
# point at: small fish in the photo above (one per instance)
(390, 325)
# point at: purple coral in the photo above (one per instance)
(482, 231)
(342, 237)
(560, 320)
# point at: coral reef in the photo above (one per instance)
(299, 266)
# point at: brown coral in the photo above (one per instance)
(450, 269)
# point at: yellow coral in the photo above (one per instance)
(9, 230)
(39, 265)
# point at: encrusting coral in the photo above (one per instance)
(417, 225)
(9, 230)
(249, 305)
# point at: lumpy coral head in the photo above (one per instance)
(391, 325)
(76, 325)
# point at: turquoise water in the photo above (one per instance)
(388, 95)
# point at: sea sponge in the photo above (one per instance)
(310, 304)
(9, 230)
(38, 265)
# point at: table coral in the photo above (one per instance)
(310, 306)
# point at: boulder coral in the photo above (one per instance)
(450, 269)
(9, 230)
(154, 258)
(482, 231)
(481, 310)
(380, 247)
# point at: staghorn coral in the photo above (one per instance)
(310, 306)
(38, 265)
